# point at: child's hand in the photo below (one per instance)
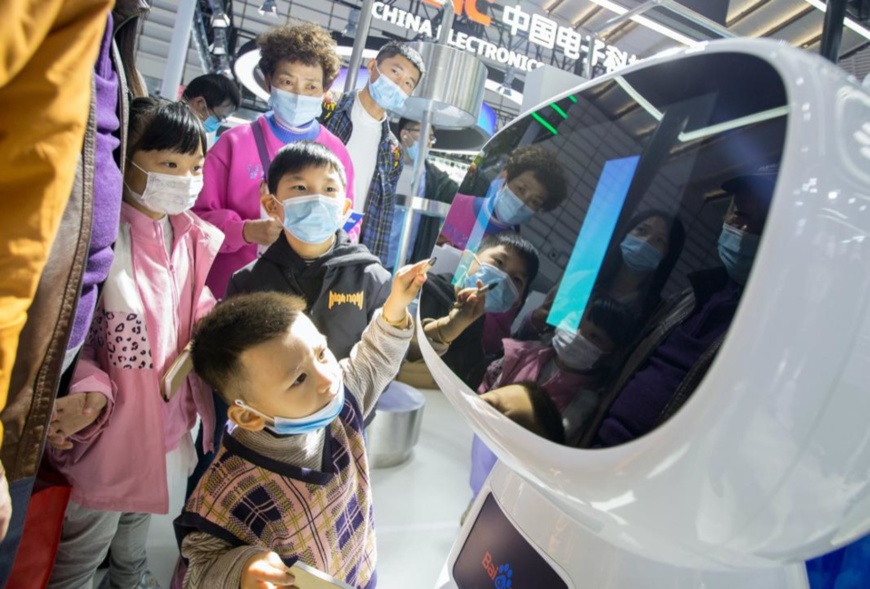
(72, 414)
(470, 306)
(262, 231)
(266, 570)
(406, 285)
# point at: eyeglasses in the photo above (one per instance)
(221, 119)
(432, 138)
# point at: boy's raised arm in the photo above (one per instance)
(375, 360)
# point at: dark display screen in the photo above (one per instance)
(496, 556)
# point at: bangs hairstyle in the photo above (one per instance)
(308, 44)
(614, 319)
(157, 124)
(233, 326)
(393, 48)
(544, 167)
(513, 241)
(216, 89)
(302, 155)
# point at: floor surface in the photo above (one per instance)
(417, 505)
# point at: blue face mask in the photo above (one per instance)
(503, 296)
(493, 189)
(413, 151)
(285, 426)
(737, 250)
(509, 208)
(211, 124)
(639, 256)
(387, 93)
(313, 219)
(295, 110)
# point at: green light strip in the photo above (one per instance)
(545, 124)
(572, 99)
(561, 112)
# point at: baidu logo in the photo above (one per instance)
(503, 579)
(501, 575)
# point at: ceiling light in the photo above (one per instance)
(219, 18)
(850, 24)
(269, 7)
(650, 24)
(352, 22)
(219, 44)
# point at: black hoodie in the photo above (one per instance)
(465, 356)
(343, 287)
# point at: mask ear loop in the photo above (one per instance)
(246, 407)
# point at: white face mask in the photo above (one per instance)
(166, 194)
(574, 350)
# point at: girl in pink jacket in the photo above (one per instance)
(153, 296)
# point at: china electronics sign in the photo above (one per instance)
(541, 31)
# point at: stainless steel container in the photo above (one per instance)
(396, 427)
(452, 89)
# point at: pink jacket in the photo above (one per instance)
(149, 305)
(231, 193)
(523, 362)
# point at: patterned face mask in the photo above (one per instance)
(574, 350)
(166, 194)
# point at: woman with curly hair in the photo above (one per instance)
(299, 63)
(532, 181)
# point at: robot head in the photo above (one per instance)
(699, 317)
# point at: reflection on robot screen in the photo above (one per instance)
(650, 251)
(696, 328)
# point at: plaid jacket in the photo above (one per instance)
(381, 199)
(322, 518)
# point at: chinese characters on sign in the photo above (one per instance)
(548, 33)
(540, 30)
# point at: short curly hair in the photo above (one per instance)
(543, 165)
(308, 43)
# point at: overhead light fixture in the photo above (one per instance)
(269, 7)
(219, 18)
(850, 23)
(648, 23)
(219, 44)
(352, 22)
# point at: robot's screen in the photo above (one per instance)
(601, 244)
(495, 555)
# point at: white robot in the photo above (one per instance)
(767, 463)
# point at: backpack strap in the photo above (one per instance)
(260, 140)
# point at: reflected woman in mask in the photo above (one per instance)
(634, 271)
(532, 181)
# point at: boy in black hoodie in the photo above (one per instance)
(342, 282)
